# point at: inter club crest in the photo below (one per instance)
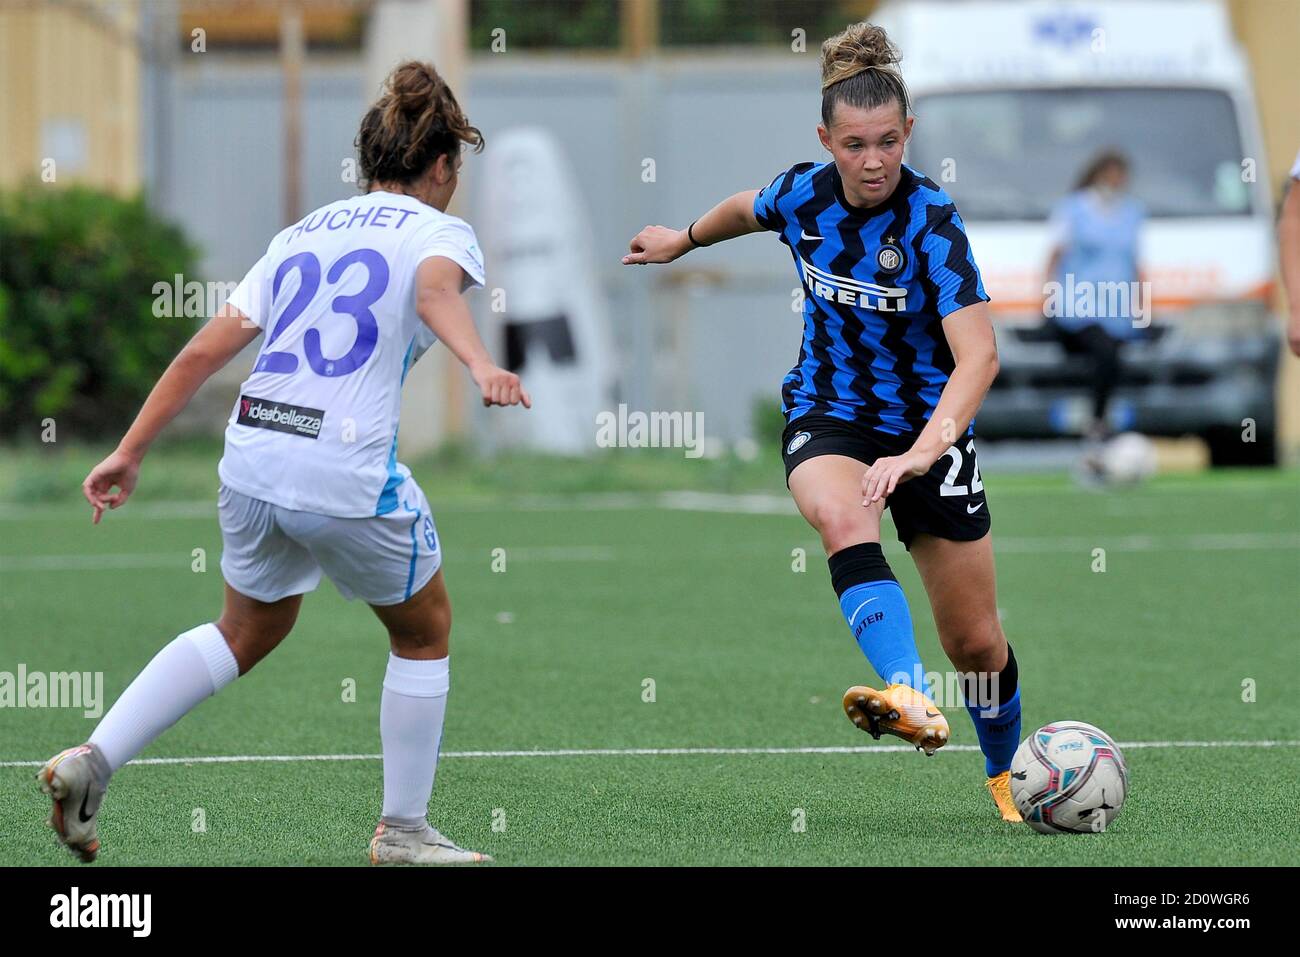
(889, 258)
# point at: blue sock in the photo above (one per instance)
(876, 611)
(999, 734)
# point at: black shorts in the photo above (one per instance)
(947, 502)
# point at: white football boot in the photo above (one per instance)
(71, 781)
(396, 845)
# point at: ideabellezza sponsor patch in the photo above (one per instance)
(294, 419)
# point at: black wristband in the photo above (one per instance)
(691, 236)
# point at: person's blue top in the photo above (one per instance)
(1098, 271)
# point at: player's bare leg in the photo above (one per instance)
(411, 716)
(253, 629)
(191, 668)
(960, 581)
(828, 491)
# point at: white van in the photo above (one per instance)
(1012, 101)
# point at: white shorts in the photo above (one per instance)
(269, 552)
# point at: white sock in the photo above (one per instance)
(411, 710)
(192, 667)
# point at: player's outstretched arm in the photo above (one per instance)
(439, 303)
(732, 217)
(969, 332)
(211, 348)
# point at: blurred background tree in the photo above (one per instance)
(546, 24)
(79, 341)
(595, 24)
(743, 22)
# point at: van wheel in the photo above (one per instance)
(1227, 447)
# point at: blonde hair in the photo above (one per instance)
(859, 67)
(415, 120)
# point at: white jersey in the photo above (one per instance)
(315, 425)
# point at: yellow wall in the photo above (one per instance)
(71, 62)
(1270, 32)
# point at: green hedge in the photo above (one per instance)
(79, 341)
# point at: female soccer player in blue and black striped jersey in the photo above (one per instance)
(898, 353)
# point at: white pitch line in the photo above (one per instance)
(1227, 541)
(559, 553)
(642, 752)
(141, 511)
(755, 503)
(773, 503)
(181, 561)
(90, 562)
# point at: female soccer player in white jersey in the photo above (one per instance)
(348, 299)
(898, 353)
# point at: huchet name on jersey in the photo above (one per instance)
(331, 220)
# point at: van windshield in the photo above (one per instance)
(1011, 154)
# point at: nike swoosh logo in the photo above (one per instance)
(85, 818)
(931, 714)
(972, 511)
(804, 235)
(854, 617)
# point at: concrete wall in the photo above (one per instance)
(706, 334)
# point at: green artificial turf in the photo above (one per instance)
(599, 597)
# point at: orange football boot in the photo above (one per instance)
(1000, 787)
(899, 710)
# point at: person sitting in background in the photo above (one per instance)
(1094, 247)
(1288, 246)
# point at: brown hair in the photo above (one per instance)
(1100, 163)
(415, 120)
(858, 68)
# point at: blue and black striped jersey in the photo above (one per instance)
(877, 284)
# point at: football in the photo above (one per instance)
(1128, 459)
(1069, 777)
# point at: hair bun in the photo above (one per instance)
(862, 46)
(412, 85)
(415, 120)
